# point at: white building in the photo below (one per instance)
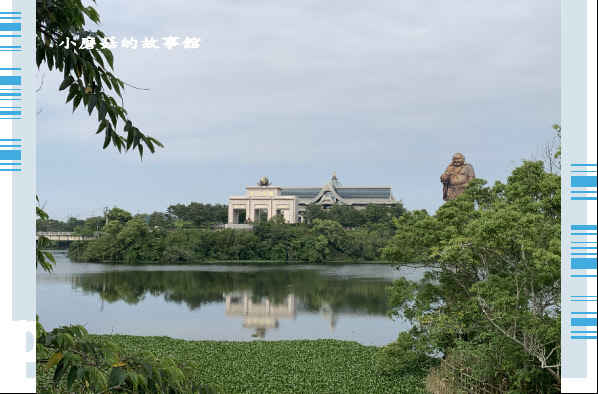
(291, 201)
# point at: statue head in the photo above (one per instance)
(458, 159)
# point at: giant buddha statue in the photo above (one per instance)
(457, 175)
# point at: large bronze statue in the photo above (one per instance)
(457, 175)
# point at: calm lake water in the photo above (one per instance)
(223, 302)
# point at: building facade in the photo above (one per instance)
(291, 201)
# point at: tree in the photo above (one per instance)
(550, 151)
(119, 215)
(60, 26)
(202, 215)
(90, 226)
(277, 238)
(493, 291)
(557, 128)
(43, 258)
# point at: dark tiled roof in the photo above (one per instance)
(364, 192)
(343, 192)
(301, 192)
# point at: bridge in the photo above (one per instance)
(65, 236)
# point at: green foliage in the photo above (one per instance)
(74, 361)
(557, 128)
(128, 240)
(407, 353)
(43, 258)
(348, 216)
(87, 72)
(201, 215)
(496, 283)
(159, 219)
(322, 366)
(119, 215)
(50, 225)
(272, 240)
(90, 226)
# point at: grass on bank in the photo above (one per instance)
(299, 366)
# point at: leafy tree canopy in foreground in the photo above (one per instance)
(60, 26)
(80, 363)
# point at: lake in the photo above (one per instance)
(223, 302)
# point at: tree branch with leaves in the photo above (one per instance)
(88, 73)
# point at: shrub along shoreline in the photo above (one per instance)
(317, 366)
(340, 233)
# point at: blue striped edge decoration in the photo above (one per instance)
(10, 80)
(10, 154)
(10, 113)
(584, 227)
(583, 263)
(583, 322)
(583, 248)
(10, 27)
(584, 181)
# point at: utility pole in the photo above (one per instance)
(106, 213)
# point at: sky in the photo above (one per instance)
(381, 92)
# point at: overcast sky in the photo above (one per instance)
(382, 92)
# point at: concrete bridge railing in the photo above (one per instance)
(65, 236)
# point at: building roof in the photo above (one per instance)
(300, 192)
(335, 192)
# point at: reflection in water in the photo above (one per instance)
(259, 315)
(314, 290)
(222, 302)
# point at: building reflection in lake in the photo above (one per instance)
(259, 315)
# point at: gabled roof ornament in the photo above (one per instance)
(334, 181)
